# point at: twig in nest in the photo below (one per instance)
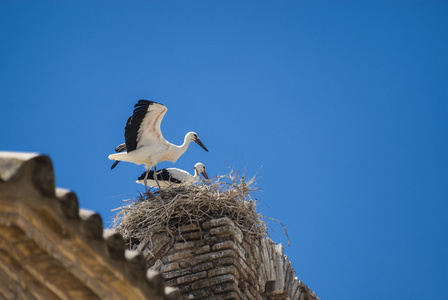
(284, 228)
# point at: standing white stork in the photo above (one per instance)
(144, 142)
(169, 176)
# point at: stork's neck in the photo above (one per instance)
(176, 151)
(196, 174)
(184, 146)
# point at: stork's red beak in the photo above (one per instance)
(198, 141)
(205, 175)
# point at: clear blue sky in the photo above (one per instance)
(342, 107)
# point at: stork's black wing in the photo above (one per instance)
(162, 175)
(143, 127)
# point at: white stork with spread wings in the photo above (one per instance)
(144, 142)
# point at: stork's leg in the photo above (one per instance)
(155, 176)
(146, 180)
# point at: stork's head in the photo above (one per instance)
(193, 137)
(200, 168)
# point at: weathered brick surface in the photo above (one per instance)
(212, 256)
(212, 281)
(190, 236)
(202, 267)
(198, 294)
(231, 295)
(169, 267)
(182, 246)
(189, 228)
(223, 270)
(192, 278)
(217, 261)
(177, 273)
(177, 256)
(227, 230)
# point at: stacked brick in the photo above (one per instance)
(215, 260)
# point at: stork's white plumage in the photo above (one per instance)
(170, 176)
(144, 142)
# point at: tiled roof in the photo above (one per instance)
(54, 250)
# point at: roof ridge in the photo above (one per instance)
(27, 179)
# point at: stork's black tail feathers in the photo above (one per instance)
(119, 148)
(115, 164)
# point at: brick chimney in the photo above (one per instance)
(216, 260)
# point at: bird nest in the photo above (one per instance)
(167, 210)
